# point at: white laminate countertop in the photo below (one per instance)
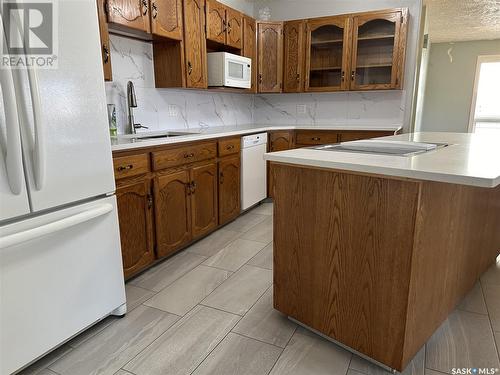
(121, 143)
(470, 159)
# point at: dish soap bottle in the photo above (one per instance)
(113, 131)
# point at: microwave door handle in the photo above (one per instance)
(37, 144)
(13, 153)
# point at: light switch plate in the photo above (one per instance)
(301, 109)
(172, 110)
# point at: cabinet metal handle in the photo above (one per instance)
(260, 78)
(150, 201)
(230, 147)
(187, 156)
(190, 68)
(144, 7)
(224, 26)
(193, 187)
(105, 49)
(125, 167)
(353, 75)
(343, 76)
(298, 77)
(155, 11)
(188, 188)
(316, 139)
(229, 27)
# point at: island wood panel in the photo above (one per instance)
(166, 18)
(342, 255)
(195, 44)
(457, 238)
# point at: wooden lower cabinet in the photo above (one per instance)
(229, 188)
(204, 199)
(135, 213)
(172, 211)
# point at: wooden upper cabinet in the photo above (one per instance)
(105, 46)
(250, 46)
(204, 199)
(172, 212)
(294, 56)
(216, 21)
(379, 45)
(234, 36)
(135, 213)
(130, 13)
(166, 18)
(327, 54)
(229, 188)
(270, 56)
(195, 44)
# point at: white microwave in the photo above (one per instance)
(226, 69)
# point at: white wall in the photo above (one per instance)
(400, 100)
(450, 84)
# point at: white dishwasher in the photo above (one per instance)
(253, 169)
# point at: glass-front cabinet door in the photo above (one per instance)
(326, 54)
(378, 50)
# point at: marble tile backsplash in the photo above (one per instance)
(163, 109)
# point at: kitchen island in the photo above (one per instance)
(374, 251)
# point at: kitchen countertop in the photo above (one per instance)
(470, 159)
(121, 143)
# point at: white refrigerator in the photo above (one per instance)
(60, 258)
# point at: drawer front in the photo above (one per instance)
(355, 136)
(183, 155)
(314, 137)
(229, 146)
(129, 166)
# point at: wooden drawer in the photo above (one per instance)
(315, 137)
(129, 166)
(346, 136)
(184, 155)
(229, 146)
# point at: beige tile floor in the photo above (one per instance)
(208, 310)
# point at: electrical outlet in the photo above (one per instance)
(301, 109)
(173, 110)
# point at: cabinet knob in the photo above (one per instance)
(154, 12)
(144, 7)
(105, 50)
(122, 168)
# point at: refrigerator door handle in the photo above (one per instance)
(13, 153)
(39, 149)
(38, 152)
(55, 226)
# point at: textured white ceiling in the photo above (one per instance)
(461, 20)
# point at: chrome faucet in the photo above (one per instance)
(132, 103)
